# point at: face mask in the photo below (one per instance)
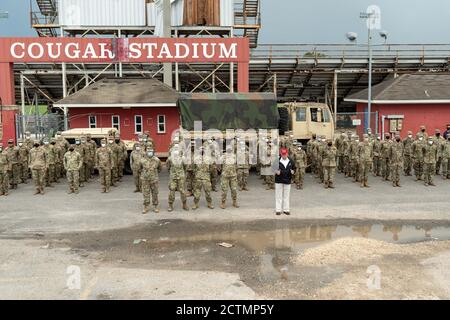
(46, 143)
(398, 140)
(110, 142)
(117, 141)
(36, 146)
(1, 149)
(423, 130)
(420, 139)
(71, 149)
(430, 142)
(103, 144)
(438, 135)
(140, 140)
(330, 144)
(138, 148)
(20, 144)
(53, 143)
(77, 142)
(150, 154)
(410, 136)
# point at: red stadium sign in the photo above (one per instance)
(139, 50)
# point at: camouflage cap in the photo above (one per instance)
(422, 127)
(409, 132)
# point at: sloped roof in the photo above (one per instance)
(122, 92)
(412, 88)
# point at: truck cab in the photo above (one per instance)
(307, 118)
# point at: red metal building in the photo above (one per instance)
(406, 102)
(132, 106)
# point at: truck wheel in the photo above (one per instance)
(283, 124)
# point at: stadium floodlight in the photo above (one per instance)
(352, 36)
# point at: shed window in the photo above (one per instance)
(116, 122)
(92, 122)
(161, 123)
(138, 124)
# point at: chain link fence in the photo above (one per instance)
(39, 126)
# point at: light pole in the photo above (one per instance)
(372, 18)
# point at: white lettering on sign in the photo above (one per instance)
(14, 53)
(133, 51)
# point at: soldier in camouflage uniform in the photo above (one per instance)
(446, 159)
(23, 162)
(439, 142)
(150, 168)
(88, 159)
(430, 156)
(177, 176)
(135, 163)
(417, 156)
(5, 167)
(63, 147)
(243, 166)
(385, 147)
(423, 131)
(377, 156)
(104, 164)
(114, 161)
(81, 149)
(13, 154)
(339, 143)
(51, 160)
(365, 160)
(396, 160)
(202, 180)
(353, 152)
(92, 148)
(269, 179)
(309, 152)
(407, 149)
(37, 162)
(148, 141)
(300, 158)
(190, 175)
(328, 156)
(229, 178)
(72, 164)
(59, 160)
(320, 147)
(28, 141)
(346, 149)
(122, 155)
(210, 148)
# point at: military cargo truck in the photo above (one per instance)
(303, 119)
(224, 111)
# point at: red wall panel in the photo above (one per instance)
(433, 116)
(79, 118)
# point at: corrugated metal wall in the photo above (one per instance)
(102, 13)
(196, 12)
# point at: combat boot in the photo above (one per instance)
(170, 209)
(235, 204)
(325, 185)
(245, 188)
(107, 190)
(156, 210)
(185, 207)
(331, 186)
(210, 206)
(366, 183)
(145, 210)
(76, 191)
(37, 191)
(41, 190)
(195, 206)
(222, 205)
(104, 190)
(70, 191)
(398, 184)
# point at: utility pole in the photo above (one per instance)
(167, 33)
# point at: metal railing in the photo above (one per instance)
(241, 18)
(348, 51)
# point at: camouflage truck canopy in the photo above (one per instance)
(224, 111)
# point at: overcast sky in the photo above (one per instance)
(312, 21)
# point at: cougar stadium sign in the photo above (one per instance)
(140, 50)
